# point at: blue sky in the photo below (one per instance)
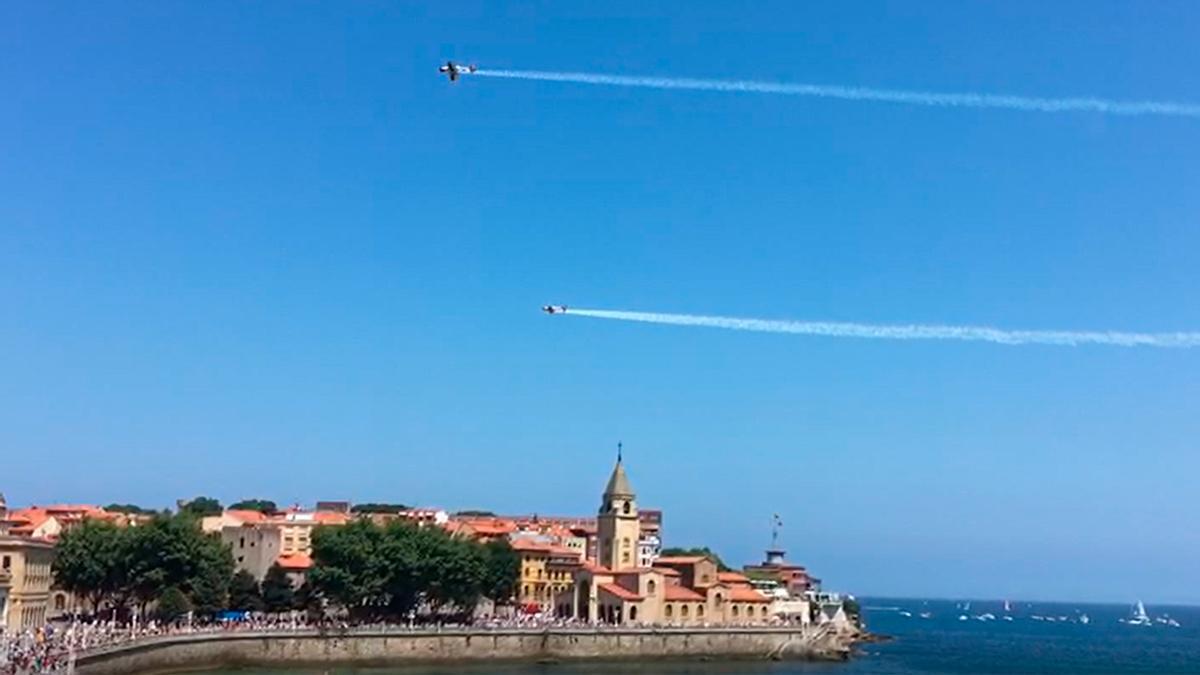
(261, 249)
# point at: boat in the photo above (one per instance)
(1007, 606)
(1084, 619)
(903, 613)
(1139, 616)
(1007, 618)
(962, 617)
(926, 615)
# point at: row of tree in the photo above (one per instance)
(391, 571)
(122, 568)
(169, 565)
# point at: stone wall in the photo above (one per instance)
(378, 648)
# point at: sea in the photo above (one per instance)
(937, 637)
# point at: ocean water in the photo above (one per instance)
(940, 644)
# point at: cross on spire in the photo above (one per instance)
(619, 447)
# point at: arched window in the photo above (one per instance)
(625, 557)
(700, 610)
(719, 599)
(60, 602)
(764, 612)
(625, 542)
(668, 611)
(683, 611)
(651, 587)
(735, 610)
(626, 508)
(633, 613)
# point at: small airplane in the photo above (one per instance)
(453, 70)
(554, 309)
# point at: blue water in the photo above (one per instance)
(941, 644)
(944, 643)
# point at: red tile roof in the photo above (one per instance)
(733, 578)
(675, 592)
(295, 561)
(745, 594)
(247, 515)
(330, 518)
(619, 592)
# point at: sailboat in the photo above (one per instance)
(1139, 617)
(1007, 607)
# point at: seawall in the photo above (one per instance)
(382, 647)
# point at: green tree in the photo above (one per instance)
(350, 569)
(375, 571)
(502, 570)
(245, 595)
(260, 505)
(201, 506)
(173, 604)
(131, 509)
(139, 564)
(702, 550)
(307, 600)
(277, 593)
(86, 561)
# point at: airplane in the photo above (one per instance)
(554, 309)
(453, 70)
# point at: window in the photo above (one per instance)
(633, 613)
(651, 587)
(735, 610)
(60, 602)
(7, 562)
(764, 612)
(699, 610)
(242, 542)
(625, 557)
(626, 508)
(668, 611)
(683, 611)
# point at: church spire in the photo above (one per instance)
(618, 483)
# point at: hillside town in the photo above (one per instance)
(612, 568)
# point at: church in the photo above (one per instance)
(688, 590)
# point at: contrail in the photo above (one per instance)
(908, 331)
(927, 98)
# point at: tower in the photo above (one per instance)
(617, 523)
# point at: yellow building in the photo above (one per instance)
(547, 571)
(25, 579)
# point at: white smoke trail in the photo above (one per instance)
(961, 100)
(908, 332)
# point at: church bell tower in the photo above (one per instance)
(618, 527)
